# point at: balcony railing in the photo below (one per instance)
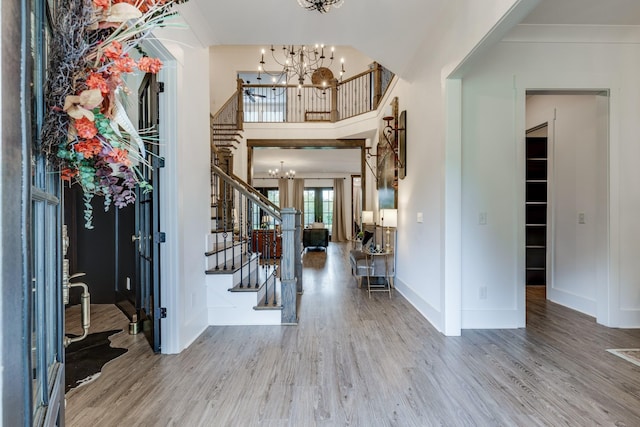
(336, 101)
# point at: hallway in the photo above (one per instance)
(360, 361)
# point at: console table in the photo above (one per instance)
(380, 265)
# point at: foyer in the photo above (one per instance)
(355, 360)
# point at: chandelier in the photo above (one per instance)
(322, 6)
(301, 63)
(280, 173)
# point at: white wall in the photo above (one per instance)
(493, 170)
(421, 246)
(577, 181)
(186, 209)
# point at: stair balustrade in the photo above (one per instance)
(255, 241)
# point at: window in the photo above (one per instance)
(273, 194)
(318, 206)
(263, 98)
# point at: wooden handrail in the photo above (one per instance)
(248, 191)
(252, 190)
(357, 76)
(215, 116)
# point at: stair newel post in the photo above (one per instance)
(377, 85)
(288, 294)
(238, 222)
(214, 216)
(334, 100)
(226, 164)
(240, 112)
(298, 251)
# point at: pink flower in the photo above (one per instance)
(149, 65)
(114, 50)
(124, 65)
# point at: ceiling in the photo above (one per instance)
(388, 31)
(377, 28)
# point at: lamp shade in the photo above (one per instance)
(389, 217)
(367, 217)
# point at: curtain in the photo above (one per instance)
(298, 195)
(338, 231)
(357, 208)
(283, 192)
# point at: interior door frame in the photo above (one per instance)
(147, 220)
(28, 187)
(605, 294)
(15, 152)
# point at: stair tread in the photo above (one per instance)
(219, 247)
(262, 305)
(264, 274)
(238, 262)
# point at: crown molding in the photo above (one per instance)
(542, 33)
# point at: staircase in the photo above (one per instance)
(249, 242)
(227, 123)
(242, 287)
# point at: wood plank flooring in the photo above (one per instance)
(360, 361)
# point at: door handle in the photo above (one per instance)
(137, 237)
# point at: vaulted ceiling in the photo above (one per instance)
(388, 31)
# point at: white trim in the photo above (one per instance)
(424, 308)
(169, 265)
(609, 311)
(542, 33)
(451, 286)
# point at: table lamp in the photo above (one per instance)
(388, 219)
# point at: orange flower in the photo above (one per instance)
(96, 81)
(102, 4)
(118, 155)
(66, 174)
(88, 147)
(114, 50)
(86, 128)
(149, 65)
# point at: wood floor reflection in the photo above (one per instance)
(360, 361)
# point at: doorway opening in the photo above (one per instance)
(566, 195)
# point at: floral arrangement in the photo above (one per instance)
(86, 130)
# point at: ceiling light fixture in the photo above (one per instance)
(322, 6)
(301, 63)
(280, 173)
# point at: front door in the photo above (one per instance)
(148, 237)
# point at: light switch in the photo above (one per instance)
(419, 217)
(581, 218)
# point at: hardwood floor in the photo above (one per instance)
(360, 361)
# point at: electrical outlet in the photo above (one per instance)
(419, 217)
(482, 218)
(483, 292)
(581, 218)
